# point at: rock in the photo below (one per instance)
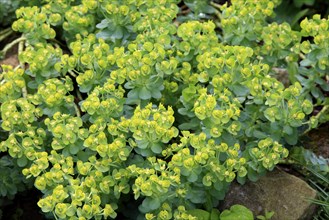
(318, 140)
(11, 57)
(278, 191)
(11, 60)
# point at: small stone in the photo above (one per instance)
(278, 191)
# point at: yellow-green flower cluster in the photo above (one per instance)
(89, 53)
(80, 197)
(83, 194)
(65, 130)
(197, 35)
(269, 152)
(317, 29)
(90, 60)
(206, 154)
(105, 102)
(33, 21)
(41, 57)
(151, 127)
(139, 16)
(296, 108)
(149, 183)
(181, 213)
(53, 92)
(11, 83)
(280, 40)
(18, 112)
(78, 20)
(24, 145)
(242, 21)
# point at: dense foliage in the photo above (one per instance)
(162, 114)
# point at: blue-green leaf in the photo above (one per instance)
(144, 93)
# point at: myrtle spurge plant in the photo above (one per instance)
(140, 108)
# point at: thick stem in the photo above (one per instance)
(11, 44)
(77, 110)
(57, 43)
(79, 95)
(24, 92)
(215, 5)
(20, 50)
(22, 65)
(4, 31)
(219, 15)
(287, 162)
(280, 71)
(72, 74)
(217, 10)
(302, 56)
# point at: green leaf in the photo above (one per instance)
(105, 34)
(156, 94)
(197, 196)
(104, 23)
(252, 175)
(237, 212)
(269, 215)
(156, 148)
(200, 6)
(118, 33)
(300, 3)
(240, 90)
(219, 186)
(144, 93)
(214, 215)
(316, 92)
(241, 180)
(22, 162)
(3, 191)
(71, 211)
(289, 13)
(74, 149)
(292, 138)
(287, 129)
(259, 134)
(300, 14)
(12, 189)
(132, 97)
(271, 113)
(151, 203)
(142, 144)
(306, 62)
(192, 177)
(200, 214)
(189, 92)
(6, 161)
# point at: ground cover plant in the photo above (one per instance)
(135, 105)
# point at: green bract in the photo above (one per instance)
(139, 108)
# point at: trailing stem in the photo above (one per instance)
(5, 33)
(324, 110)
(10, 45)
(22, 65)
